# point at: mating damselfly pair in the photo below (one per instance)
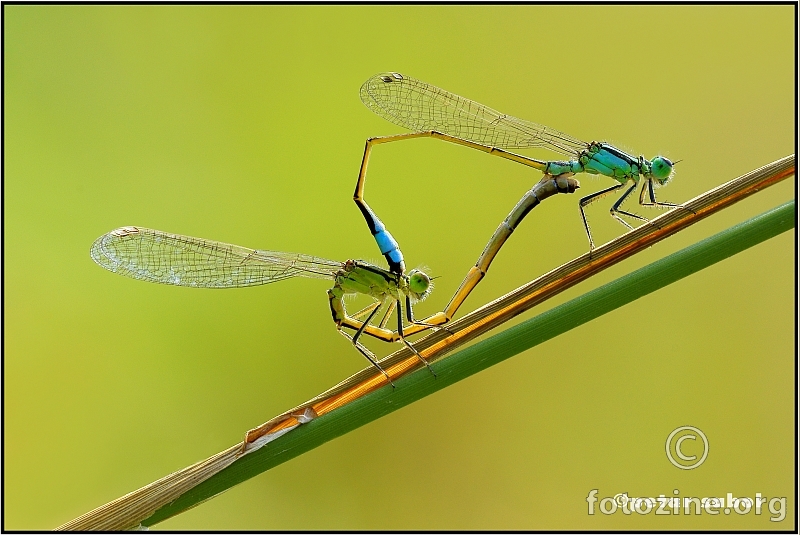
(429, 111)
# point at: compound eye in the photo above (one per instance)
(418, 282)
(661, 168)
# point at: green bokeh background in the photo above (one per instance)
(243, 124)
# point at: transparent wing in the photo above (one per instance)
(420, 107)
(156, 256)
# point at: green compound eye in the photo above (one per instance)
(661, 169)
(418, 282)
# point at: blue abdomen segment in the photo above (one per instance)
(386, 242)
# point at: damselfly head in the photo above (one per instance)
(662, 170)
(419, 284)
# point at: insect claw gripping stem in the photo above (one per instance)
(367, 353)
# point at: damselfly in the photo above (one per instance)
(433, 112)
(155, 256)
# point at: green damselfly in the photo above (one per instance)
(433, 112)
(156, 256)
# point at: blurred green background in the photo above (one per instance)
(243, 124)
